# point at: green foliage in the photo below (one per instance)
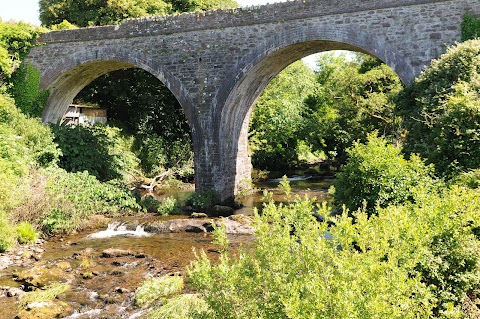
(24, 144)
(85, 13)
(180, 307)
(469, 179)
(377, 174)
(470, 27)
(64, 25)
(26, 233)
(25, 90)
(150, 204)
(201, 5)
(202, 200)
(98, 12)
(77, 196)
(451, 265)
(168, 206)
(277, 122)
(16, 40)
(354, 97)
(57, 221)
(165, 207)
(441, 111)
(100, 149)
(391, 265)
(140, 104)
(158, 153)
(7, 233)
(156, 289)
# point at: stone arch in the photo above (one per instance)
(66, 78)
(255, 71)
(70, 75)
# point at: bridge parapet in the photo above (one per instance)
(217, 63)
(226, 18)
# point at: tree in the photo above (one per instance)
(16, 40)
(201, 5)
(441, 111)
(277, 123)
(377, 175)
(85, 13)
(354, 97)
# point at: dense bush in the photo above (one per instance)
(25, 90)
(26, 233)
(413, 261)
(202, 200)
(7, 232)
(377, 174)
(156, 289)
(25, 144)
(16, 40)
(441, 111)
(100, 149)
(74, 197)
(469, 179)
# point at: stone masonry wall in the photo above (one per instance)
(217, 63)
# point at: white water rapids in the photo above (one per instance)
(119, 229)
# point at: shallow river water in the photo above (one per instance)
(103, 284)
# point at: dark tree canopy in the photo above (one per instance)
(102, 12)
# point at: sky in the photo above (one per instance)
(27, 10)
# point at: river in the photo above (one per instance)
(103, 281)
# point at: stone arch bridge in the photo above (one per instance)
(217, 63)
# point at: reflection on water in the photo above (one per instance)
(313, 187)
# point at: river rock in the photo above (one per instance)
(40, 276)
(198, 215)
(179, 225)
(45, 310)
(235, 224)
(238, 225)
(14, 292)
(114, 252)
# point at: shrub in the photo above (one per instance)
(26, 233)
(76, 196)
(7, 233)
(469, 179)
(441, 111)
(306, 275)
(180, 307)
(376, 173)
(25, 90)
(101, 150)
(150, 204)
(157, 288)
(202, 200)
(168, 206)
(417, 260)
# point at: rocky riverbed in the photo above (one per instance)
(101, 274)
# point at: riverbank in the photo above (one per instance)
(101, 273)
